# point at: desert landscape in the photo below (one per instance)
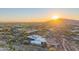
(39, 29)
(28, 36)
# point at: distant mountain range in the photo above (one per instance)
(65, 21)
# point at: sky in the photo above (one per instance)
(37, 14)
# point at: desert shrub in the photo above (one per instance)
(52, 49)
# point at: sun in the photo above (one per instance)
(55, 17)
(56, 20)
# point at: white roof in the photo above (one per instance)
(37, 37)
(36, 42)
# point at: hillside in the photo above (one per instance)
(67, 21)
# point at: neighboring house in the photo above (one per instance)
(37, 39)
(75, 38)
(1, 29)
(31, 31)
(77, 30)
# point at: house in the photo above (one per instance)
(1, 29)
(31, 31)
(37, 39)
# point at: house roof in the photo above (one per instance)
(37, 37)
